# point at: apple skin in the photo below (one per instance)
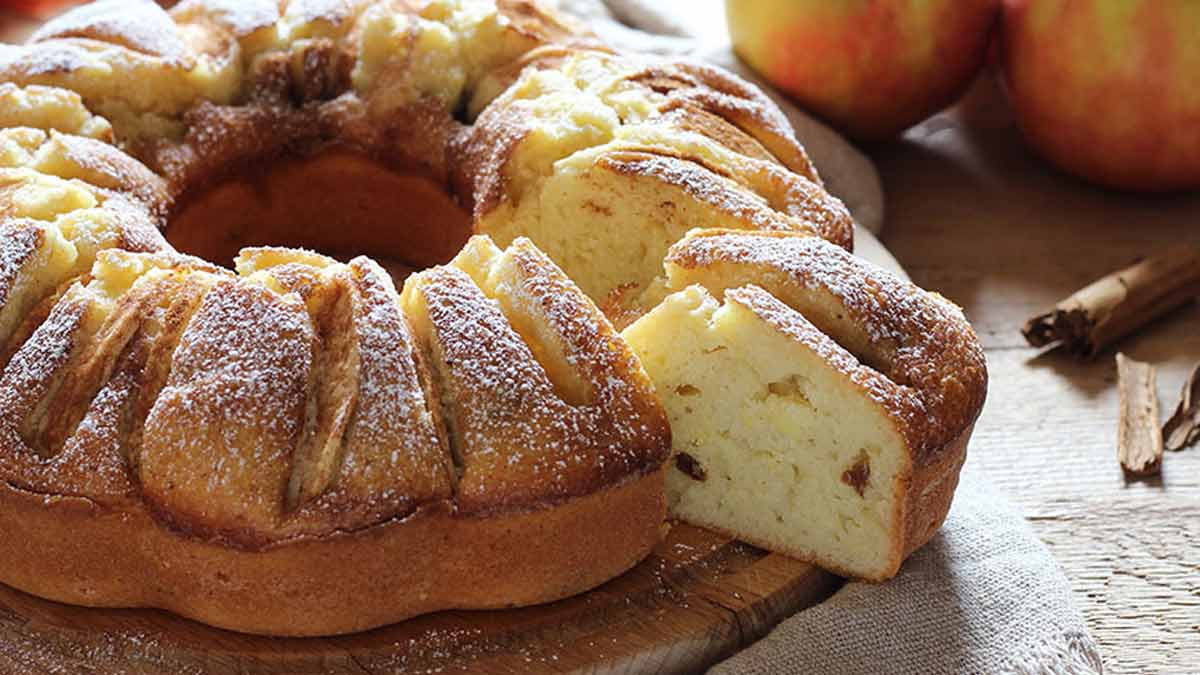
(1108, 90)
(870, 67)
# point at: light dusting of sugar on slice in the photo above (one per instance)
(920, 342)
(521, 441)
(218, 442)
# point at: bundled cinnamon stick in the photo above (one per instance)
(1139, 438)
(1116, 305)
(1183, 429)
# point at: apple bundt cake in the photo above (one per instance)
(315, 443)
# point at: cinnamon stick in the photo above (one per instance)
(1119, 303)
(1139, 438)
(1183, 429)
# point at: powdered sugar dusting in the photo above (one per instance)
(702, 185)
(521, 442)
(935, 369)
(394, 457)
(18, 243)
(140, 25)
(218, 442)
(92, 463)
(240, 17)
(33, 370)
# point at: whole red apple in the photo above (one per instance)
(871, 67)
(1108, 89)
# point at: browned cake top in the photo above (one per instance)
(706, 120)
(524, 355)
(302, 397)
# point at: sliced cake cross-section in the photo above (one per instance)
(819, 406)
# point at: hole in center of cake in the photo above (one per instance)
(338, 203)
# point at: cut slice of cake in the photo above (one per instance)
(803, 420)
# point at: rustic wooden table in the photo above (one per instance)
(973, 215)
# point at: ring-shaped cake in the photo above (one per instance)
(295, 447)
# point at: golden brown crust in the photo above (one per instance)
(241, 18)
(910, 351)
(22, 240)
(929, 495)
(699, 121)
(747, 107)
(792, 203)
(536, 361)
(67, 549)
(205, 477)
(776, 180)
(139, 26)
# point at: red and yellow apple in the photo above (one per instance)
(870, 67)
(1108, 89)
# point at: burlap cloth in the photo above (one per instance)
(985, 596)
